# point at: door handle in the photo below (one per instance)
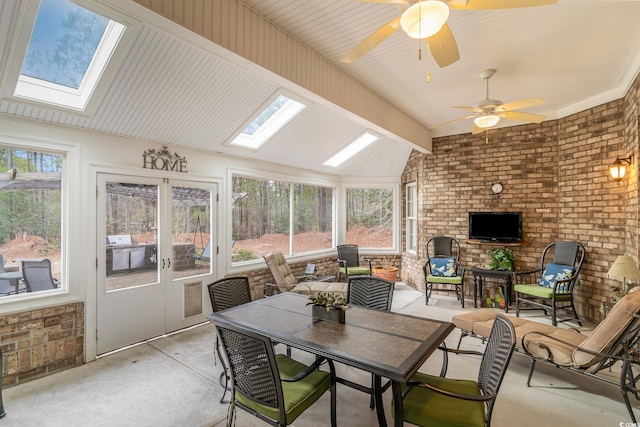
(163, 263)
(168, 262)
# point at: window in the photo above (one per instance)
(362, 142)
(30, 211)
(370, 217)
(66, 54)
(268, 122)
(264, 219)
(412, 217)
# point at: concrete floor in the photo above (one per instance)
(172, 381)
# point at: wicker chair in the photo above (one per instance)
(442, 268)
(226, 293)
(375, 293)
(550, 287)
(434, 400)
(274, 388)
(349, 262)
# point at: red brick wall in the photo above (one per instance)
(556, 173)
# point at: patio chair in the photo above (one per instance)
(287, 282)
(226, 293)
(273, 387)
(443, 270)
(550, 287)
(430, 400)
(375, 293)
(349, 262)
(614, 340)
(37, 275)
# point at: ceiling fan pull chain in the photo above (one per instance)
(428, 63)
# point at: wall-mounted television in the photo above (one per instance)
(496, 226)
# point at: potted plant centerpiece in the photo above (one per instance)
(502, 259)
(328, 306)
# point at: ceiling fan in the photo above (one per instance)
(427, 19)
(487, 113)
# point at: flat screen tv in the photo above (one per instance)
(496, 226)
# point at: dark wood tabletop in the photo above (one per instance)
(389, 345)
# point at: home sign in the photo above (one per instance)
(164, 160)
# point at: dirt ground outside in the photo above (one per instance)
(36, 247)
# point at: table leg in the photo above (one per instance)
(507, 297)
(398, 411)
(377, 394)
(475, 292)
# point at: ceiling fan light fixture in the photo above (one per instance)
(424, 19)
(486, 121)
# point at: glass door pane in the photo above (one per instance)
(191, 231)
(131, 235)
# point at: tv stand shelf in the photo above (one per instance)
(493, 243)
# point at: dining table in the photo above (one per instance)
(387, 344)
(13, 277)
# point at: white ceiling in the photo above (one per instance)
(575, 54)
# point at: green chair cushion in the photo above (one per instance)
(356, 271)
(298, 395)
(424, 407)
(540, 291)
(457, 280)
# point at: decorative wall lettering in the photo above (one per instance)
(164, 160)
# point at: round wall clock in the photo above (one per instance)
(496, 188)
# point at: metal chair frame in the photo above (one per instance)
(443, 247)
(348, 256)
(226, 293)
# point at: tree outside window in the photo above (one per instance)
(370, 217)
(30, 207)
(263, 218)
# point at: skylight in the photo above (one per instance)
(268, 122)
(351, 150)
(68, 51)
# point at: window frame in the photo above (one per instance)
(11, 74)
(69, 291)
(411, 217)
(292, 180)
(396, 212)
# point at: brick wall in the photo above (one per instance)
(556, 173)
(40, 342)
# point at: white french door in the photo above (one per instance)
(154, 257)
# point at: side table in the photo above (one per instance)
(480, 273)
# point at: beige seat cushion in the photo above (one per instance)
(480, 322)
(280, 270)
(609, 330)
(314, 288)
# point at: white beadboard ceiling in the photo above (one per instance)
(169, 89)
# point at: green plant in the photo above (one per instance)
(502, 259)
(329, 301)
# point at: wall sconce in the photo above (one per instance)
(619, 168)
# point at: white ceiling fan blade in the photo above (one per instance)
(451, 121)
(522, 117)
(472, 109)
(523, 103)
(477, 129)
(497, 4)
(443, 47)
(372, 41)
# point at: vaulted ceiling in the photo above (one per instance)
(180, 88)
